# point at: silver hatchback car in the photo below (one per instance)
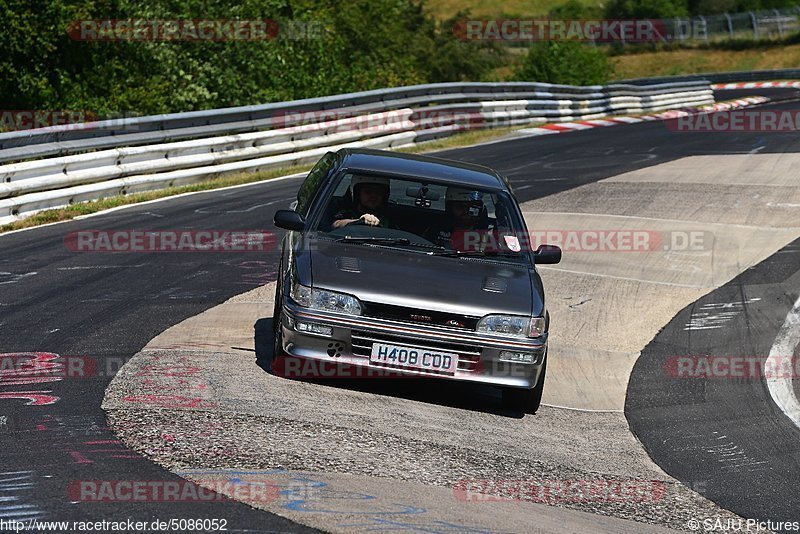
(412, 266)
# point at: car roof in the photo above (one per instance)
(413, 165)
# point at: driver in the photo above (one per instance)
(370, 199)
(464, 210)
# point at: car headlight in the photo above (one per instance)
(322, 299)
(511, 325)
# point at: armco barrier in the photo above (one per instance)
(130, 155)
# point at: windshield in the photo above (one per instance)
(428, 216)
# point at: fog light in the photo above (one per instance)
(313, 328)
(518, 357)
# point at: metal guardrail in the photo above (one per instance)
(105, 158)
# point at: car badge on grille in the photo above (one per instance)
(425, 318)
(453, 322)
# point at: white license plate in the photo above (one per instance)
(414, 358)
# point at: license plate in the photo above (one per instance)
(414, 358)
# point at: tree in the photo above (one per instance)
(565, 62)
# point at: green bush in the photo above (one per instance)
(646, 9)
(565, 62)
(575, 10)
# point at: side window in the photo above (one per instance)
(313, 181)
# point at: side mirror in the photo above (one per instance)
(289, 220)
(547, 254)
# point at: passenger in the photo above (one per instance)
(465, 213)
(370, 201)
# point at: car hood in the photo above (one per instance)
(412, 279)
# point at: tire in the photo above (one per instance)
(277, 331)
(526, 400)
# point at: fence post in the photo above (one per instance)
(704, 26)
(779, 18)
(755, 25)
(679, 28)
(730, 25)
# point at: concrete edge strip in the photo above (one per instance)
(563, 127)
(757, 85)
(779, 382)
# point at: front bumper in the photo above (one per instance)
(351, 340)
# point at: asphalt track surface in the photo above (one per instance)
(105, 307)
(724, 436)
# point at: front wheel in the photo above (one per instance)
(277, 332)
(526, 400)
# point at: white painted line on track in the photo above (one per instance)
(629, 120)
(599, 275)
(89, 267)
(575, 126)
(639, 217)
(599, 122)
(780, 387)
(535, 131)
(581, 409)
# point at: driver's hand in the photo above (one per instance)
(370, 219)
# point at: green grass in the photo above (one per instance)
(491, 9)
(699, 60)
(462, 139)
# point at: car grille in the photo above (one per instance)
(468, 355)
(416, 316)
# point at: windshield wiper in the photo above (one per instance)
(374, 239)
(475, 254)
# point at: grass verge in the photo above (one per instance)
(492, 9)
(699, 60)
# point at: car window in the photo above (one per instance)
(418, 210)
(313, 181)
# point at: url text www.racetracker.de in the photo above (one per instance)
(157, 525)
